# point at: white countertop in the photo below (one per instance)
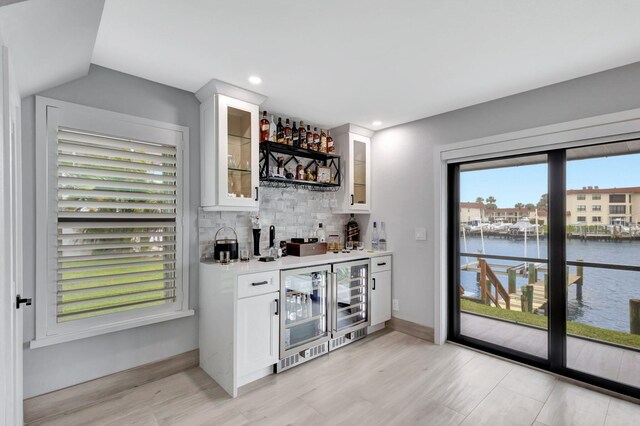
(292, 262)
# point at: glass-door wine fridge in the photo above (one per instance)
(305, 326)
(350, 302)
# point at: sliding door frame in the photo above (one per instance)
(557, 264)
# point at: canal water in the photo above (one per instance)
(605, 293)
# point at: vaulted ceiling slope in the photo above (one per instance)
(329, 61)
(51, 41)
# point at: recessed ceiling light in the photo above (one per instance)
(254, 79)
(377, 123)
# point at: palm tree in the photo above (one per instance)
(519, 205)
(530, 206)
(491, 202)
(480, 200)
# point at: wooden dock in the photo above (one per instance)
(531, 297)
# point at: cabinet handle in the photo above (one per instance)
(374, 283)
(382, 263)
(257, 193)
(352, 199)
(260, 283)
(277, 307)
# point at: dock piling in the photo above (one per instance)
(580, 273)
(634, 316)
(512, 280)
(533, 273)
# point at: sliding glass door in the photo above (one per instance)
(544, 261)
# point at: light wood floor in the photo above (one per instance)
(610, 362)
(387, 379)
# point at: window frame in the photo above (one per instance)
(51, 114)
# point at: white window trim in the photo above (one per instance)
(587, 131)
(51, 113)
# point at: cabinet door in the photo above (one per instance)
(258, 332)
(237, 153)
(380, 297)
(360, 173)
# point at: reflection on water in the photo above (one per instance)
(605, 294)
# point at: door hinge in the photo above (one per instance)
(20, 301)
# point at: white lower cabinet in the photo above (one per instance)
(380, 290)
(258, 334)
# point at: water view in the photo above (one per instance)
(605, 294)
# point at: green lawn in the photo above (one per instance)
(573, 328)
(118, 294)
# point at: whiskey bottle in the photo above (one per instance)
(352, 232)
(316, 139)
(294, 135)
(302, 136)
(309, 138)
(330, 146)
(280, 131)
(264, 127)
(323, 141)
(287, 133)
(273, 131)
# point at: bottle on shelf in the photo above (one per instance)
(309, 140)
(294, 135)
(323, 141)
(264, 127)
(330, 146)
(287, 133)
(302, 136)
(298, 307)
(375, 238)
(273, 131)
(288, 308)
(280, 131)
(352, 232)
(309, 306)
(382, 239)
(316, 139)
(305, 313)
(291, 313)
(320, 234)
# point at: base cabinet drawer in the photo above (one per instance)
(380, 297)
(258, 332)
(382, 263)
(259, 283)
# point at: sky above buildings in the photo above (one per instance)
(525, 184)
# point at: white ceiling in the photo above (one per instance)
(331, 61)
(337, 61)
(51, 42)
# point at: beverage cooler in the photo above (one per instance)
(324, 307)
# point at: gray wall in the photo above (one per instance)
(402, 161)
(65, 364)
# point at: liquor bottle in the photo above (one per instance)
(264, 127)
(302, 136)
(316, 139)
(323, 141)
(287, 133)
(305, 313)
(320, 234)
(382, 241)
(273, 130)
(352, 233)
(309, 306)
(375, 238)
(330, 146)
(294, 135)
(280, 131)
(291, 313)
(309, 138)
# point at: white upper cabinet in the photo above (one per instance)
(353, 144)
(229, 156)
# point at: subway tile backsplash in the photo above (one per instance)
(294, 212)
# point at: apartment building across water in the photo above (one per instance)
(603, 206)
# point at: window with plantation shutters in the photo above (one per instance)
(116, 224)
(112, 246)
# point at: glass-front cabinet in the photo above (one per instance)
(353, 144)
(351, 307)
(229, 153)
(304, 297)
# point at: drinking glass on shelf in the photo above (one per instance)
(360, 245)
(233, 163)
(349, 245)
(244, 255)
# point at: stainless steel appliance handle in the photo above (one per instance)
(260, 283)
(334, 303)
